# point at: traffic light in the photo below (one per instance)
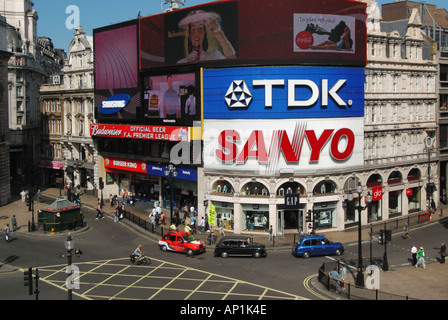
(386, 236)
(308, 216)
(28, 278)
(101, 183)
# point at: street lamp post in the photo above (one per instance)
(428, 143)
(171, 174)
(69, 245)
(360, 208)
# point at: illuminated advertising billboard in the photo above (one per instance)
(140, 132)
(201, 33)
(270, 147)
(283, 119)
(171, 99)
(256, 31)
(283, 93)
(117, 92)
(136, 166)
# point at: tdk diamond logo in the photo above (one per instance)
(238, 95)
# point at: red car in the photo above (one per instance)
(181, 241)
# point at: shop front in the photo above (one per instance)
(146, 181)
(53, 173)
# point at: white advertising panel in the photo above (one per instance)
(283, 146)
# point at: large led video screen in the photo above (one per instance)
(171, 99)
(198, 34)
(117, 87)
(229, 33)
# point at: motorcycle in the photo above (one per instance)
(135, 260)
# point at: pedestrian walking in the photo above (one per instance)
(8, 233)
(344, 276)
(99, 212)
(202, 226)
(442, 252)
(116, 215)
(335, 276)
(14, 223)
(421, 258)
(158, 213)
(406, 231)
(23, 195)
(414, 255)
(152, 221)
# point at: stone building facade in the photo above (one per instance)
(67, 112)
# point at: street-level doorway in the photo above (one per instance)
(290, 221)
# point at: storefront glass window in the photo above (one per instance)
(290, 187)
(326, 213)
(223, 187)
(375, 212)
(325, 187)
(395, 203)
(255, 218)
(254, 189)
(224, 215)
(414, 198)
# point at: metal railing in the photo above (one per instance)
(145, 224)
(397, 223)
(60, 226)
(349, 290)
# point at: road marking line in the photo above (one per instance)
(310, 290)
(200, 285)
(174, 279)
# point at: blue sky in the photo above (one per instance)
(98, 13)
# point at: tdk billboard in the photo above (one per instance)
(283, 93)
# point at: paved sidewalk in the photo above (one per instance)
(428, 284)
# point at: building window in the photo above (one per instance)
(395, 147)
(373, 146)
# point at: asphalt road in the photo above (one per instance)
(105, 273)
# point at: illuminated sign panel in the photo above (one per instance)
(270, 146)
(171, 99)
(283, 92)
(230, 33)
(125, 165)
(117, 92)
(140, 132)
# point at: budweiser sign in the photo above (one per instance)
(157, 133)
